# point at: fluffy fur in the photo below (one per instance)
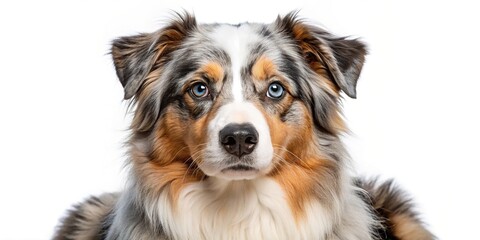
(283, 174)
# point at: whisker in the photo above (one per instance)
(285, 149)
(279, 147)
(193, 158)
(293, 154)
(276, 167)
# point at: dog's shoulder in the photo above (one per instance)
(89, 219)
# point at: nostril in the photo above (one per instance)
(249, 144)
(251, 140)
(229, 140)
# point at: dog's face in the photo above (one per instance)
(235, 101)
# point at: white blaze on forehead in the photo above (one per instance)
(237, 112)
(235, 41)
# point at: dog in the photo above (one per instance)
(236, 134)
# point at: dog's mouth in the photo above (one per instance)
(239, 172)
(239, 168)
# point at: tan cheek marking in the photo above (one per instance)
(196, 138)
(293, 169)
(300, 171)
(263, 68)
(168, 165)
(278, 130)
(168, 143)
(291, 137)
(213, 70)
(309, 174)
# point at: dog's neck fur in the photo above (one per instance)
(217, 209)
(255, 209)
(248, 209)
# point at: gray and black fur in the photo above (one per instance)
(141, 60)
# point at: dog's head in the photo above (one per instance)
(235, 101)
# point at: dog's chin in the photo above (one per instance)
(239, 172)
(234, 172)
(228, 167)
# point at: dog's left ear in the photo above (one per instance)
(345, 62)
(342, 57)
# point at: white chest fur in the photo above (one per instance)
(216, 209)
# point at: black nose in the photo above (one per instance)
(239, 139)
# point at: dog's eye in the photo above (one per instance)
(275, 91)
(199, 90)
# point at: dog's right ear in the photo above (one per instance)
(136, 56)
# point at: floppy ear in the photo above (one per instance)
(338, 60)
(342, 57)
(139, 60)
(136, 56)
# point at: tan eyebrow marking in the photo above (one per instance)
(264, 68)
(213, 70)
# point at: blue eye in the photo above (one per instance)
(275, 91)
(199, 90)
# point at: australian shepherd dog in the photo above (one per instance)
(236, 134)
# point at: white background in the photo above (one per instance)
(63, 121)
